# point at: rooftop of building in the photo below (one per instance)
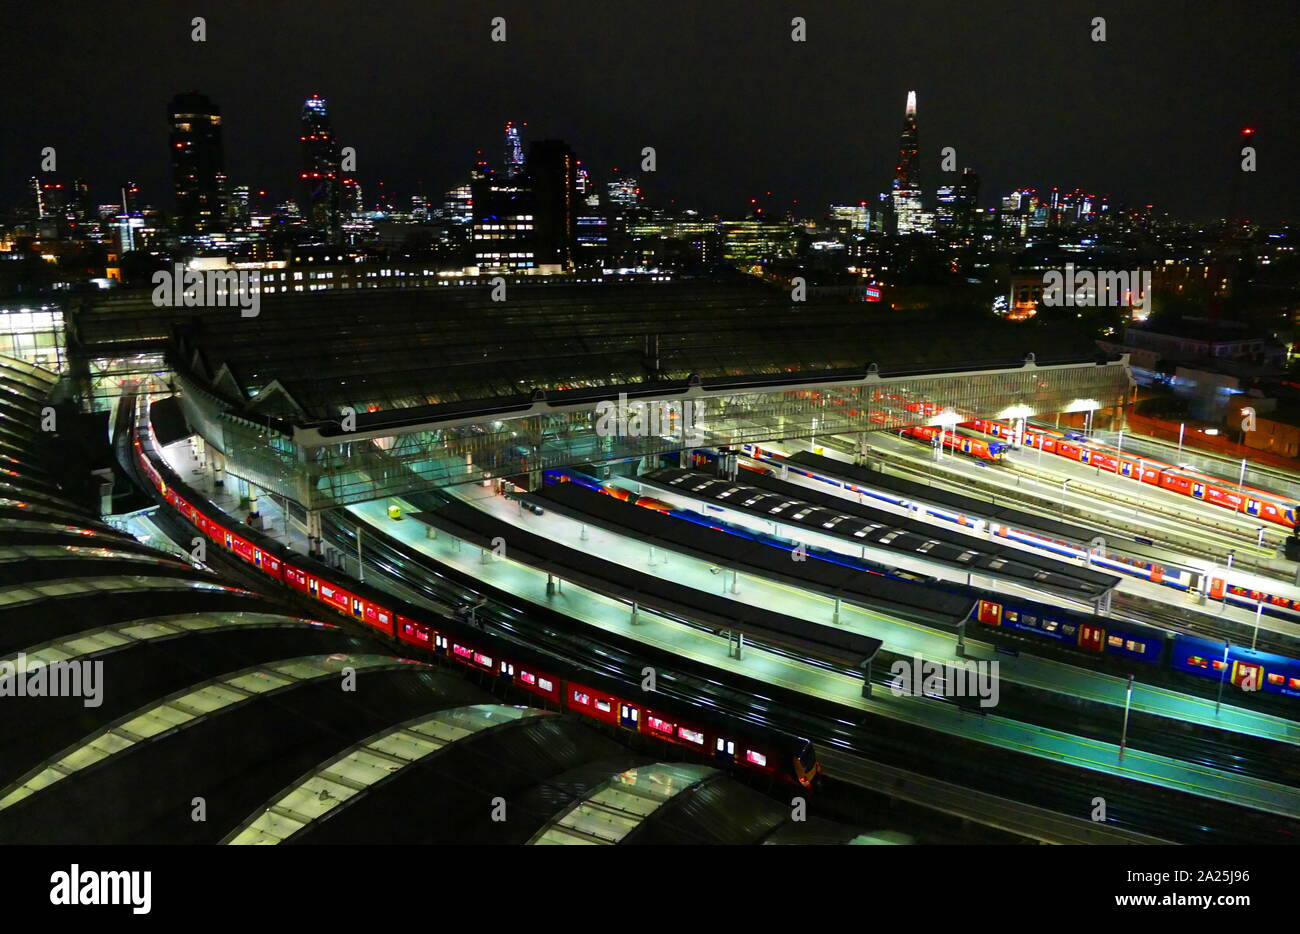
(308, 354)
(1200, 329)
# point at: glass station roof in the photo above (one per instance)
(379, 758)
(306, 355)
(617, 807)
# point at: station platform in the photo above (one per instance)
(614, 616)
(668, 636)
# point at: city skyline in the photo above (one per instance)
(833, 146)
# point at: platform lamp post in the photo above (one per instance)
(947, 420)
(1247, 424)
(1128, 703)
(1259, 611)
(1017, 414)
(1182, 426)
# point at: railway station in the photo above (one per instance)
(800, 516)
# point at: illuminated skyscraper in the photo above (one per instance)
(319, 189)
(514, 161)
(623, 190)
(198, 163)
(905, 176)
(906, 194)
(130, 198)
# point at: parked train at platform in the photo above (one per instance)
(1256, 503)
(1193, 582)
(1092, 634)
(1248, 669)
(722, 741)
(956, 441)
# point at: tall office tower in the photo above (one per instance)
(238, 207)
(197, 163)
(80, 206)
(967, 202)
(130, 198)
(553, 177)
(458, 206)
(49, 196)
(514, 160)
(623, 190)
(906, 194)
(350, 200)
(37, 203)
(319, 194)
(502, 223)
(945, 212)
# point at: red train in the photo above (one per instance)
(953, 441)
(1267, 506)
(784, 757)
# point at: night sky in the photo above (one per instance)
(733, 107)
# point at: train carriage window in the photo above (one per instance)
(1012, 616)
(1294, 684)
(996, 564)
(545, 684)
(690, 735)
(663, 726)
(889, 536)
(755, 757)
(1050, 625)
(1133, 646)
(604, 706)
(924, 547)
(967, 556)
(1067, 630)
(527, 677)
(1031, 620)
(1218, 664)
(1116, 641)
(580, 698)
(1275, 678)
